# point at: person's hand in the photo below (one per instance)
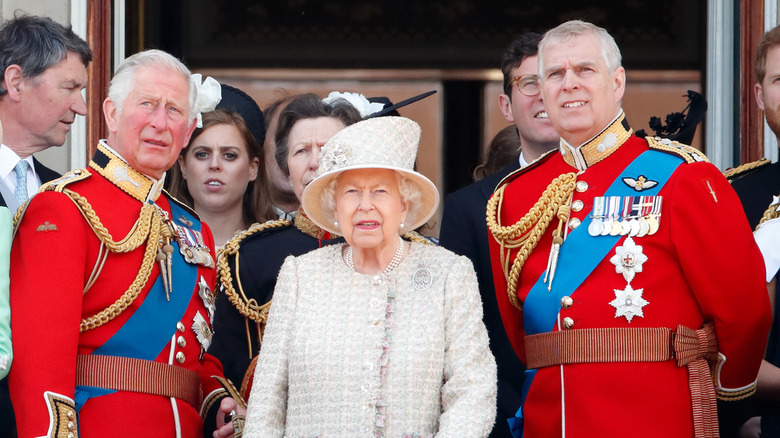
(230, 419)
(751, 428)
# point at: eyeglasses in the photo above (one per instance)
(528, 85)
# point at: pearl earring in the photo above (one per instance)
(336, 224)
(403, 224)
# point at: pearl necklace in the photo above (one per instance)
(394, 262)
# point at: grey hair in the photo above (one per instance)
(36, 43)
(123, 81)
(574, 28)
(409, 190)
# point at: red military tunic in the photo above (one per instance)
(58, 280)
(700, 265)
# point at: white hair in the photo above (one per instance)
(574, 28)
(124, 78)
(410, 195)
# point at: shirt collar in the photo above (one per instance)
(8, 160)
(285, 215)
(521, 160)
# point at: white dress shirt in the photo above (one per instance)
(8, 160)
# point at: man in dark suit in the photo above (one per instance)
(463, 227)
(756, 183)
(44, 67)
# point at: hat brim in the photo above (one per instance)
(311, 199)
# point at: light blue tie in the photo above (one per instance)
(21, 181)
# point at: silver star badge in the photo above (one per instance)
(209, 300)
(628, 303)
(628, 259)
(202, 330)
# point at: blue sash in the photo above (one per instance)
(149, 329)
(579, 255)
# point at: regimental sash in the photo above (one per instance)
(146, 333)
(581, 252)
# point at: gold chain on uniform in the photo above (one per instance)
(525, 233)
(414, 236)
(247, 307)
(150, 227)
(769, 214)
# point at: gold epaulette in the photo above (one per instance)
(414, 236)
(736, 172)
(246, 307)
(59, 184)
(687, 153)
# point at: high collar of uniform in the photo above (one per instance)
(306, 226)
(600, 146)
(108, 163)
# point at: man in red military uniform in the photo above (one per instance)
(626, 274)
(111, 333)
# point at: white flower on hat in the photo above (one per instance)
(209, 95)
(359, 101)
(333, 156)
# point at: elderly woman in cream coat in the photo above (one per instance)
(377, 337)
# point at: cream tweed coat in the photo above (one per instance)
(354, 355)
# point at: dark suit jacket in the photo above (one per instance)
(756, 188)
(44, 173)
(464, 231)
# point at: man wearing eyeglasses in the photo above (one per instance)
(463, 228)
(625, 270)
(521, 102)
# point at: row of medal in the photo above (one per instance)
(635, 216)
(192, 247)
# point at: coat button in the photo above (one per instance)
(180, 357)
(181, 341)
(568, 323)
(577, 205)
(566, 302)
(180, 327)
(581, 186)
(574, 223)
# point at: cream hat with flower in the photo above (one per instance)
(377, 143)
